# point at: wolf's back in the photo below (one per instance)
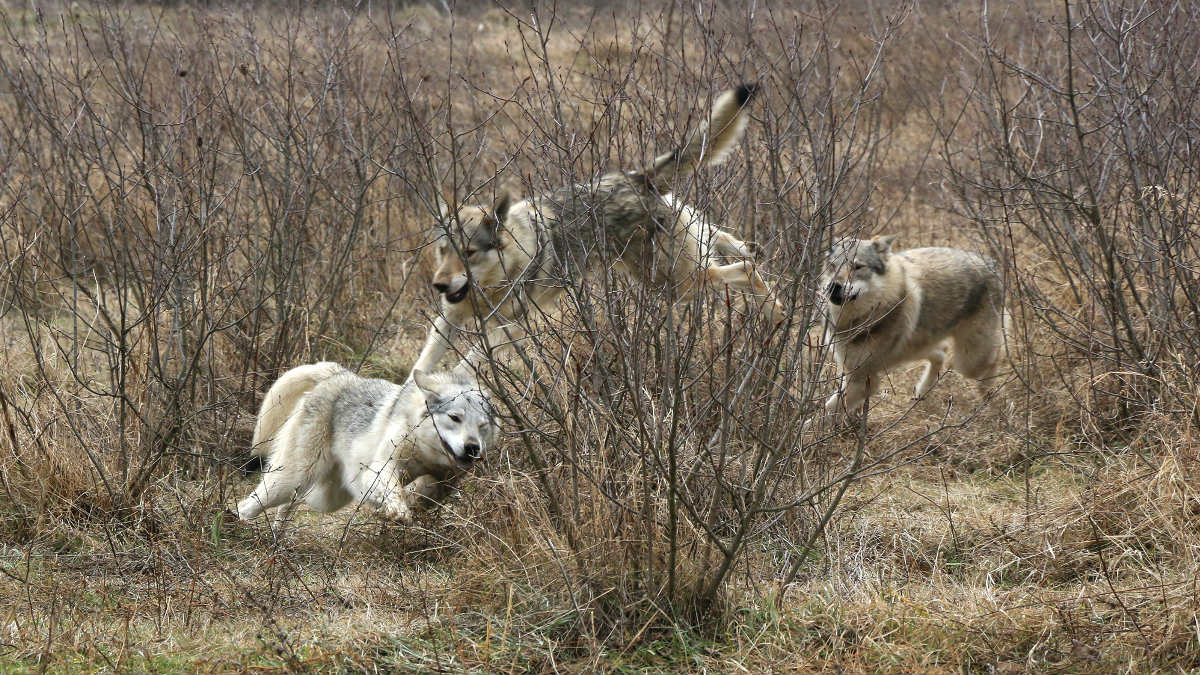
(281, 399)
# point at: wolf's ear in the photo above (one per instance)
(500, 207)
(883, 244)
(424, 383)
(443, 204)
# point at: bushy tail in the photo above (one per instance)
(709, 144)
(282, 397)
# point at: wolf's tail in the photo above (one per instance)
(282, 397)
(709, 144)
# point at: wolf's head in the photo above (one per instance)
(468, 248)
(855, 268)
(463, 421)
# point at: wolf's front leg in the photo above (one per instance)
(847, 402)
(444, 329)
(827, 415)
(854, 392)
(743, 277)
(384, 491)
(502, 341)
(424, 492)
(401, 503)
(396, 507)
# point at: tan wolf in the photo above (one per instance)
(524, 255)
(887, 308)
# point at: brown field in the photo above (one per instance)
(196, 198)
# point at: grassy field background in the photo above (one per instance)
(195, 198)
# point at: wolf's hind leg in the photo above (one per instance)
(271, 492)
(979, 351)
(933, 369)
(976, 355)
(743, 277)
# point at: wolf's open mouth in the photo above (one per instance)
(838, 295)
(457, 296)
(837, 298)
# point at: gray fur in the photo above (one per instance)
(973, 303)
(611, 220)
(354, 407)
(847, 253)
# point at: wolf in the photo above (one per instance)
(886, 308)
(331, 438)
(497, 263)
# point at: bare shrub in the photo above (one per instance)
(1073, 170)
(183, 215)
(666, 437)
(194, 215)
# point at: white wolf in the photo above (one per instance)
(331, 438)
(887, 308)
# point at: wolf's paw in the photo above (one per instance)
(232, 517)
(399, 512)
(821, 422)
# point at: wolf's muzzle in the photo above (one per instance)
(456, 296)
(471, 453)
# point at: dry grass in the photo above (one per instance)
(194, 199)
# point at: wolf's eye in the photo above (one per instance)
(858, 266)
(455, 417)
(470, 252)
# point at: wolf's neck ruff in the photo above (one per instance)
(876, 328)
(863, 332)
